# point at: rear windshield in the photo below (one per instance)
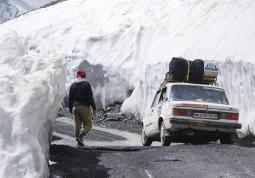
(198, 94)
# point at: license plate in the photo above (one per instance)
(206, 115)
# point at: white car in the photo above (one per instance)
(185, 112)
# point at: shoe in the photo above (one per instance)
(82, 135)
(80, 142)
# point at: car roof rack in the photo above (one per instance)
(207, 77)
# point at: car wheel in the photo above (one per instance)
(146, 141)
(226, 139)
(165, 140)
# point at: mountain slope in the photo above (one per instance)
(10, 9)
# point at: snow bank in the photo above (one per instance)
(238, 79)
(31, 89)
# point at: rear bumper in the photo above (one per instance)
(203, 125)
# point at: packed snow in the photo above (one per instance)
(31, 90)
(125, 45)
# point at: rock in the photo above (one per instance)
(129, 116)
(111, 117)
(107, 109)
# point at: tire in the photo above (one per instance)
(226, 139)
(146, 141)
(165, 140)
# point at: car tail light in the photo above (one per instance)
(181, 112)
(231, 116)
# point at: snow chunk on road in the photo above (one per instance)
(31, 90)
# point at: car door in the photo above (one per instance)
(158, 109)
(152, 115)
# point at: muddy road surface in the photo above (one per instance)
(114, 153)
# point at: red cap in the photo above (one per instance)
(81, 73)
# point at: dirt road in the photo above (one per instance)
(107, 154)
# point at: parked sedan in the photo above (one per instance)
(184, 112)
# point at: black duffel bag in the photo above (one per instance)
(196, 71)
(178, 69)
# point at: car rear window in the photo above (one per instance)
(198, 94)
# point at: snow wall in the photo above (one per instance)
(31, 90)
(124, 45)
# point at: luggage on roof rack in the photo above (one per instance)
(197, 71)
(210, 72)
(178, 69)
(168, 78)
(202, 72)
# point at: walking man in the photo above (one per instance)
(80, 101)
